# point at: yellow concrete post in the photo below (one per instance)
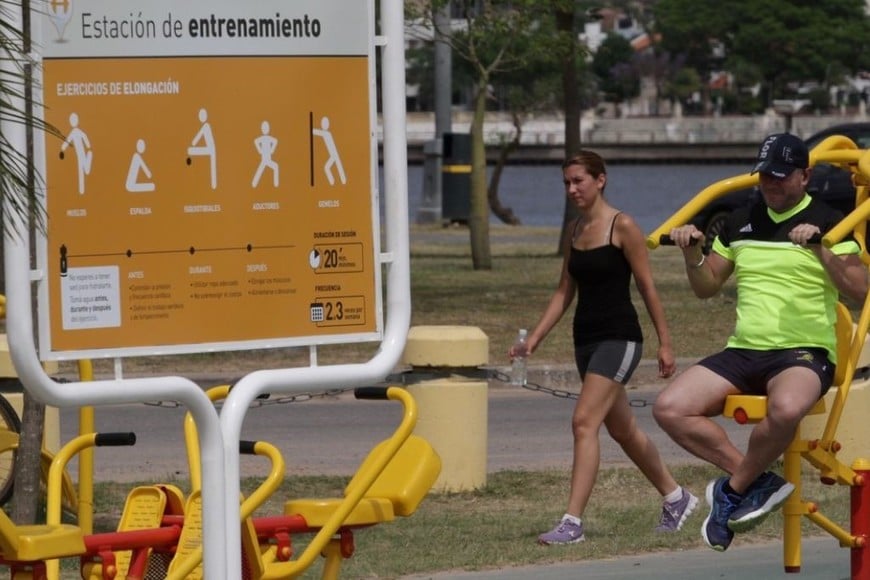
(453, 419)
(453, 409)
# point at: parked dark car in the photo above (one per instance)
(828, 182)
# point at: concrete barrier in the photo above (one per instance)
(452, 410)
(453, 419)
(446, 347)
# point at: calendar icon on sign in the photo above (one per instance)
(316, 312)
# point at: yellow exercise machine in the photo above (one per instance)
(391, 481)
(821, 452)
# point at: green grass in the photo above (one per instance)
(496, 525)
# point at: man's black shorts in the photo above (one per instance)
(751, 370)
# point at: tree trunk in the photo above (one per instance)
(505, 214)
(571, 106)
(28, 466)
(478, 220)
(25, 501)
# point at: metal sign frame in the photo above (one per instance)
(216, 188)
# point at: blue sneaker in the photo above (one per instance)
(766, 494)
(715, 530)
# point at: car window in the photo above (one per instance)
(860, 135)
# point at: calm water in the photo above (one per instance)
(650, 193)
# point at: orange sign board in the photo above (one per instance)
(202, 203)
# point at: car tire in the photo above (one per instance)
(713, 228)
(10, 427)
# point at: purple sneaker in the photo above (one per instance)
(567, 532)
(675, 514)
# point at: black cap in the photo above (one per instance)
(781, 154)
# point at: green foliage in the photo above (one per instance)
(690, 27)
(496, 38)
(786, 40)
(15, 103)
(684, 83)
(797, 41)
(820, 99)
(612, 65)
(514, 46)
(500, 36)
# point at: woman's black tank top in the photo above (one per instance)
(604, 309)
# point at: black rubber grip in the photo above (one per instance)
(114, 439)
(665, 240)
(371, 393)
(247, 447)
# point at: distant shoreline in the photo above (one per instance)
(659, 140)
(652, 153)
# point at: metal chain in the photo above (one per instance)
(298, 398)
(402, 378)
(265, 400)
(498, 375)
(163, 404)
(561, 393)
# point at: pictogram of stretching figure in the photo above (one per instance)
(137, 167)
(266, 145)
(82, 147)
(203, 145)
(334, 160)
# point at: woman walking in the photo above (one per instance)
(605, 250)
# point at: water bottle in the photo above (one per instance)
(518, 365)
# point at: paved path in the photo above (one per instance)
(330, 436)
(822, 559)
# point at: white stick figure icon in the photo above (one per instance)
(60, 12)
(206, 148)
(137, 166)
(82, 146)
(266, 145)
(325, 134)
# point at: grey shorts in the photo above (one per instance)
(613, 359)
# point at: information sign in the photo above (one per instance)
(215, 187)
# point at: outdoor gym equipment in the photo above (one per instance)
(29, 551)
(155, 529)
(391, 481)
(160, 532)
(819, 452)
